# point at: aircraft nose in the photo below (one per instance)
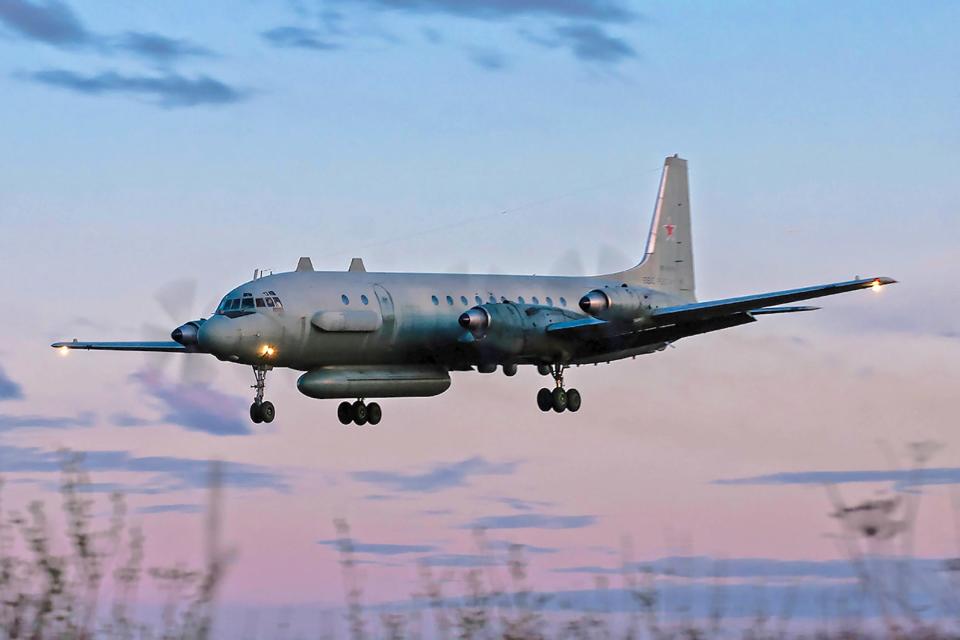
(218, 336)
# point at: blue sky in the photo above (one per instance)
(145, 143)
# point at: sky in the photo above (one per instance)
(149, 146)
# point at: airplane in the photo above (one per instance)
(358, 335)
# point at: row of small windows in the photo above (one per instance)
(364, 300)
(492, 300)
(345, 299)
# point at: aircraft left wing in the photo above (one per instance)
(700, 317)
(166, 347)
(698, 311)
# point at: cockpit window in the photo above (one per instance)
(235, 304)
(247, 303)
(277, 302)
(260, 302)
(269, 301)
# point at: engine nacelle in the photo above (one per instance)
(186, 334)
(616, 303)
(507, 330)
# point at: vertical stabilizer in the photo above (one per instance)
(667, 263)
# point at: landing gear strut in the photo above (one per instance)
(260, 410)
(359, 413)
(559, 399)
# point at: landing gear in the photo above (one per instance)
(359, 413)
(558, 399)
(261, 410)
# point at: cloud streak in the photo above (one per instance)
(10, 422)
(593, 10)
(167, 473)
(9, 390)
(298, 38)
(51, 22)
(168, 90)
(160, 49)
(437, 478)
(900, 478)
(531, 521)
(379, 549)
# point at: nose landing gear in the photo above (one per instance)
(359, 413)
(559, 399)
(260, 410)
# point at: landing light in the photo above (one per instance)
(267, 351)
(876, 284)
(63, 351)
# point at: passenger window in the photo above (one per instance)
(563, 302)
(435, 300)
(463, 299)
(450, 300)
(260, 303)
(535, 300)
(344, 299)
(364, 299)
(269, 302)
(247, 303)
(521, 300)
(479, 300)
(492, 299)
(549, 301)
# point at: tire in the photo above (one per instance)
(544, 400)
(255, 414)
(268, 412)
(510, 370)
(573, 400)
(543, 369)
(359, 411)
(374, 413)
(345, 413)
(559, 400)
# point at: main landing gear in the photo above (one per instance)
(359, 413)
(559, 399)
(260, 410)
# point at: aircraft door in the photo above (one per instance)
(386, 310)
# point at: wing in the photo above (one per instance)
(718, 308)
(671, 323)
(167, 347)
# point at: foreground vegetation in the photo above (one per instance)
(46, 594)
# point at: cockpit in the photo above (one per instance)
(234, 306)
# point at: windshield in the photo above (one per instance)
(237, 304)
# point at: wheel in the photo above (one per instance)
(559, 400)
(510, 370)
(374, 413)
(255, 414)
(543, 369)
(573, 400)
(267, 411)
(359, 411)
(544, 400)
(345, 413)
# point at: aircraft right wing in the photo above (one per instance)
(165, 347)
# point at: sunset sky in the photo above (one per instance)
(148, 144)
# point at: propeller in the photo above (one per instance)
(177, 299)
(609, 260)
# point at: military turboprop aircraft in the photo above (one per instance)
(360, 335)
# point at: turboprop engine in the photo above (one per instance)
(187, 334)
(617, 303)
(505, 331)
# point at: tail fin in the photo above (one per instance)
(667, 264)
